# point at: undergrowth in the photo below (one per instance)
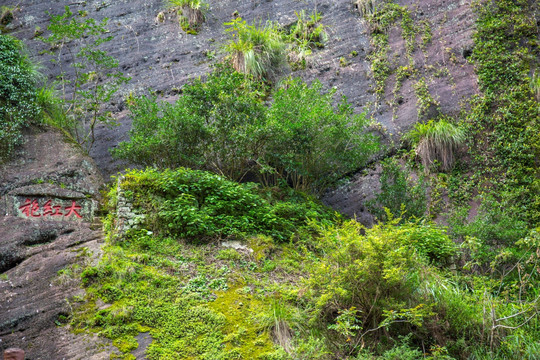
(18, 94)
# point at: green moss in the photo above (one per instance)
(380, 21)
(243, 335)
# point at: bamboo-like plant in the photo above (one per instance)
(436, 140)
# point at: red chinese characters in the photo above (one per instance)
(31, 208)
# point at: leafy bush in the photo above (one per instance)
(256, 50)
(429, 240)
(399, 193)
(215, 125)
(200, 205)
(365, 283)
(221, 125)
(311, 142)
(436, 141)
(18, 80)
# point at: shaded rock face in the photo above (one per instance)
(34, 297)
(158, 55)
(350, 198)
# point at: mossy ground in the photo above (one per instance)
(194, 300)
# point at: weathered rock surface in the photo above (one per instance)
(34, 297)
(159, 55)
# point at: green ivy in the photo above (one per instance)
(18, 106)
(504, 124)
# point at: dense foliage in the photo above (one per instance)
(216, 125)
(399, 194)
(221, 125)
(18, 104)
(199, 205)
(505, 119)
(300, 283)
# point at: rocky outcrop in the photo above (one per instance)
(158, 55)
(41, 253)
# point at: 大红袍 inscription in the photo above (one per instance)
(31, 208)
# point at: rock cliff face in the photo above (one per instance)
(50, 179)
(160, 56)
(43, 244)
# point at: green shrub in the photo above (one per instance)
(221, 125)
(430, 241)
(256, 50)
(311, 143)
(365, 283)
(200, 205)
(18, 107)
(399, 193)
(436, 141)
(215, 125)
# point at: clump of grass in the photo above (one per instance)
(6, 16)
(366, 7)
(307, 31)
(256, 50)
(306, 34)
(436, 140)
(191, 14)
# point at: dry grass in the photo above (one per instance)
(366, 7)
(436, 141)
(194, 17)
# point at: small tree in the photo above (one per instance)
(94, 78)
(313, 143)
